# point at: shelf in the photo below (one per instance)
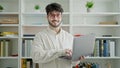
(32, 25)
(9, 25)
(108, 37)
(8, 57)
(38, 13)
(97, 13)
(75, 13)
(26, 57)
(104, 0)
(3, 13)
(103, 58)
(96, 37)
(88, 57)
(42, 25)
(9, 37)
(87, 25)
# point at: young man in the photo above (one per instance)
(52, 42)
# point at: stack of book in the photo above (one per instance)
(5, 48)
(9, 20)
(28, 63)
(26, 47)
(9, 34)
(108, 23)
(104, 48)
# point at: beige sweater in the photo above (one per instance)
(49, 46)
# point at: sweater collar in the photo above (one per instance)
(53, 32)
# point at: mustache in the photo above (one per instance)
(54, 20)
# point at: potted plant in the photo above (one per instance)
(1, 8)
(37, 7)
(89, 5)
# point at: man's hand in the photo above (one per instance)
(68, 52)
(82, 58)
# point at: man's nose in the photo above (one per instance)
(55, 17)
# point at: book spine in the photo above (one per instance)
(2, 46)
(97, 48)
(28, 64)
(112, 48)
(106, 48)
(24, 63)
(23, 48)
(7, 48)
(26, 48)
(101, 47)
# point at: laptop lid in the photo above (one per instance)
(82, 46)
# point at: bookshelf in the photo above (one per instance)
(76, 20)
(9, 44)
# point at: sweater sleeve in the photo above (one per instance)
(40, 55)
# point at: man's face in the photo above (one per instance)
(54, 18)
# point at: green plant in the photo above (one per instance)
(1, 7)
(89, 4)
(37, 7)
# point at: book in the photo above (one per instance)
(108, 23)
(6, 48)
(106, 48)
(112, 48)
(97, 48)
(1, 48)
(23, 63)
(36, 65)
(101, 47)
(26, 47)
(23, 48)
(28, 64)
(29, 35)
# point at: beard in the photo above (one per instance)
(55, 26)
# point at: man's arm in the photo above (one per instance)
(39, 55)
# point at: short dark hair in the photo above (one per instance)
(54, 7)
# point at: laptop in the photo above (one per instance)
(82, 46)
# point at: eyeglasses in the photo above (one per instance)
(53, 15)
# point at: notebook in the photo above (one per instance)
(82, 46)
